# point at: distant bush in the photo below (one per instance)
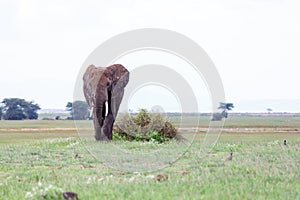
(47, 118)
(144, 127)
(217, 117)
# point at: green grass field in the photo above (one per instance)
(44, 158)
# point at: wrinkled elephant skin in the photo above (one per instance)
(103, 89)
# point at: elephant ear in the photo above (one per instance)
(116, 72)
(108, 77)
(91, 78)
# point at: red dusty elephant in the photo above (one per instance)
(103, 89)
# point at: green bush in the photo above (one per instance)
(118, 137)
(144, 127)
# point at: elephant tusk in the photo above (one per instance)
(91, 112)
(106, 108)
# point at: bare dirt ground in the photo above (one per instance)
(189, 129)
(247, 130)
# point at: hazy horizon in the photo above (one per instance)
(255, 106)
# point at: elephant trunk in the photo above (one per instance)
(99, 117)
(100, 112)
(114, 101)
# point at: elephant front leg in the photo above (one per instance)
(98, 123)
(113, 108)
(108, 126)
(97, 128)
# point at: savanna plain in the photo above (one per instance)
(40, 159)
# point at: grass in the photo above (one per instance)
(36, 124)
(262, 167)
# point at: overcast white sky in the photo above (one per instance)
(255, 44)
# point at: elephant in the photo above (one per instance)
(103, 89)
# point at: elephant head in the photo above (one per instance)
(103, 89)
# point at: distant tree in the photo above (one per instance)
(69, 106)
(225, 107)
(31, 109)
(269, 110)
(19, 109)
(80, 110)
(1, 112)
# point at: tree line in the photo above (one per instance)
(20, 109)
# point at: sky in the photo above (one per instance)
(254, 44)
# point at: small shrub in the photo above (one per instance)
(144, 127)
(156, 137)
(142, 119)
